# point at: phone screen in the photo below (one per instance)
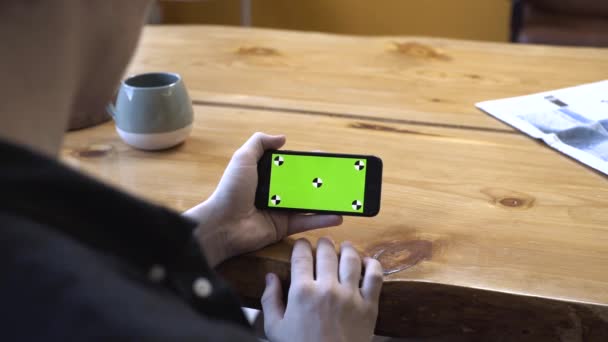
(317, 182)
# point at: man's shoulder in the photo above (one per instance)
(19, 234)
(63, 288)
(40, 250)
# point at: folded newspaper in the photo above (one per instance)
(573, 120)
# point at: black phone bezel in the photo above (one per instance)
(373, 183)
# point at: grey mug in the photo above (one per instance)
(153, 111)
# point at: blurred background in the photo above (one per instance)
(559, 22)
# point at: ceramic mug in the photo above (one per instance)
(153, 111)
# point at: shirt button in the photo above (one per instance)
(202, 287)
(157, 273)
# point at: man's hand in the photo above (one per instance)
(331, 307)
(230, 224)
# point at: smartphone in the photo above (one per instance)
(344, 184)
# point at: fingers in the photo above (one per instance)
(372, 280)
(350, 266)
(301, 262)
(302, 223)
(272, 302)
(258, 143)
(327, 261)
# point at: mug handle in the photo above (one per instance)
(111, 110)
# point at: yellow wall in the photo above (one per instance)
(468, 19)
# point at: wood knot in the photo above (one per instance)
(508, 199)
(93, 151)
(257, 51)
(418, 50)
(397, 256)
(511, 202)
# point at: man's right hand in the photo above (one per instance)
(332, 307)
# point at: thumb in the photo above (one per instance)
(260, 142)
(272, 302)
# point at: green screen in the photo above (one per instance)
(315, 182)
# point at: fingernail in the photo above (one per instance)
(302, 240)
(268, 278)
(328, 239)
(347, 244)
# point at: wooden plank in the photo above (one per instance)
(481, 230)
(404, 78)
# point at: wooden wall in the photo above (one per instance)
(466, 19)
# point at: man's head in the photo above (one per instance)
(60, 58)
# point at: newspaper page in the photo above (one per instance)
(572, 120)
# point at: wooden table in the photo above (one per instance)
(484, 233)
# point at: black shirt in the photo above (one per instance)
(82, 261)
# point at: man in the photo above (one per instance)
(83, 261)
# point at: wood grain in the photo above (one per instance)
(482, 229)
(421, 80)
